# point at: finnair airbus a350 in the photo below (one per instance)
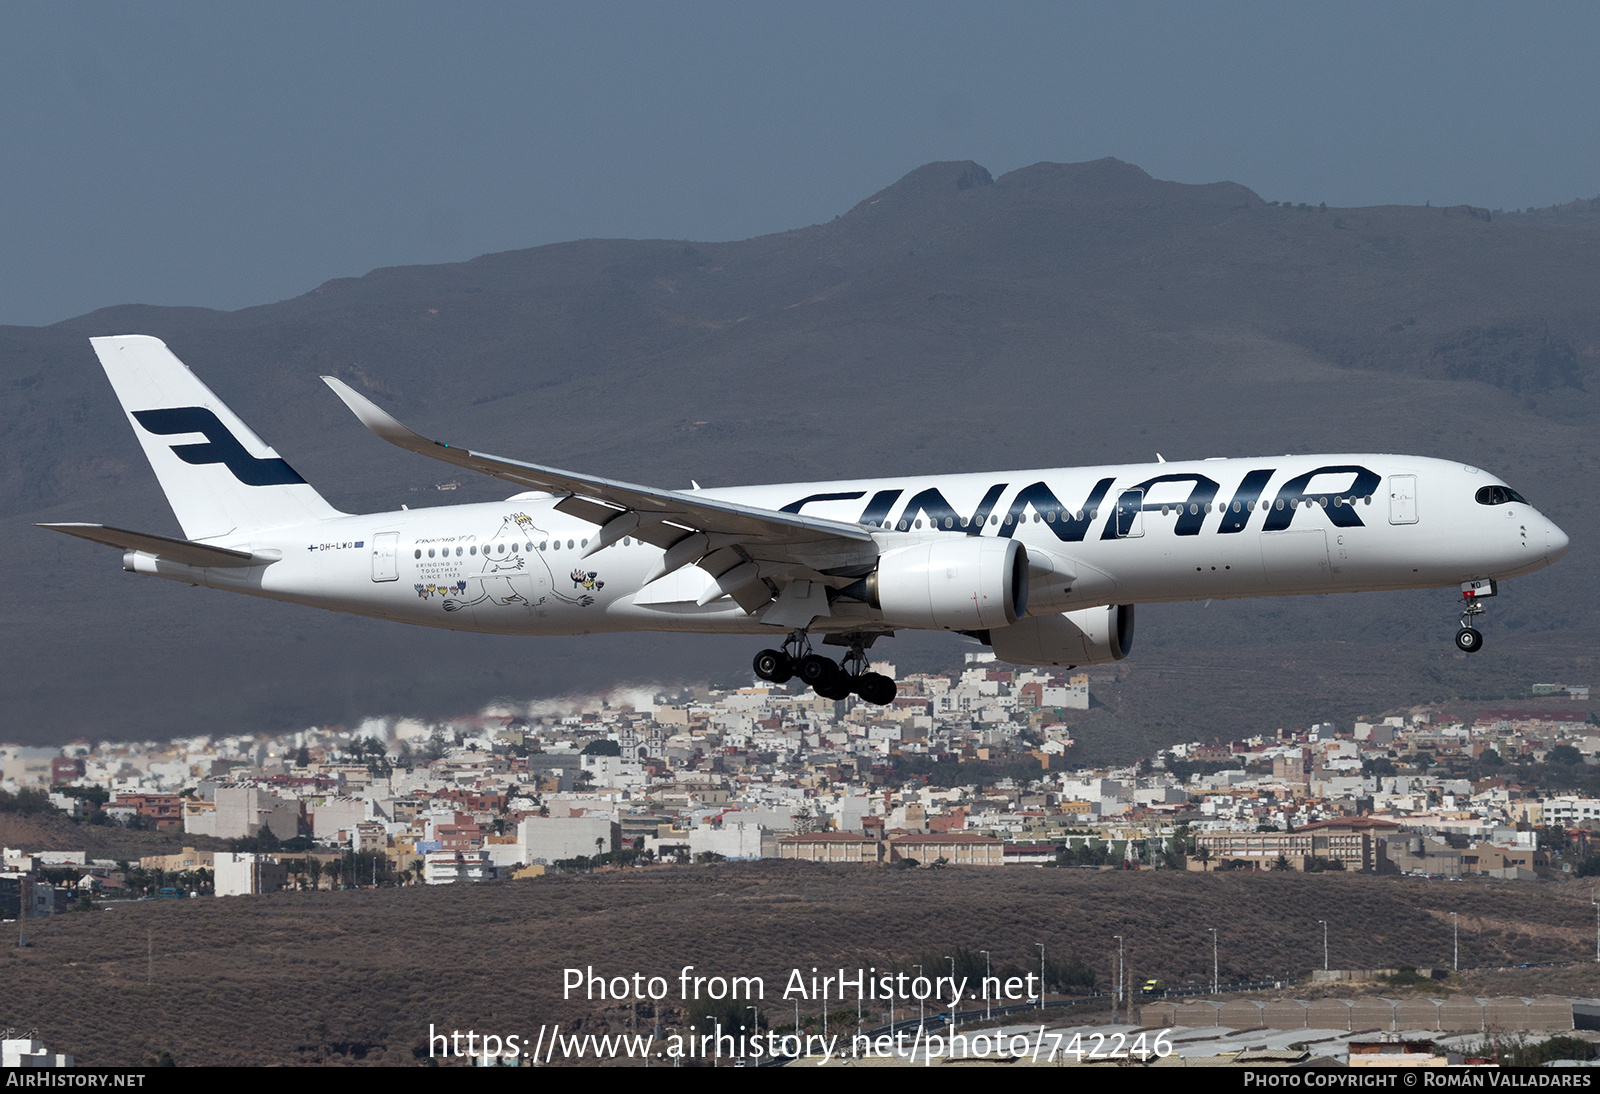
(1043, 566)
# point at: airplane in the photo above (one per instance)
(1045, 566)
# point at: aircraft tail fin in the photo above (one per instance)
(219, 477)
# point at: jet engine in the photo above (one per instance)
(957, 584)
(1089, 636)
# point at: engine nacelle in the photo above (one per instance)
(959, 583)
(1090, 636)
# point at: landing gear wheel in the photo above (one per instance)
(875, 688)
(837, 689)
(818, 672)
(774, 666)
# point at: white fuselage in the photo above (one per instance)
(1122, 534)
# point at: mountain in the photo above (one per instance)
(1059, 314)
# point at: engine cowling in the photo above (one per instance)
(1089, 636)
(958, 583)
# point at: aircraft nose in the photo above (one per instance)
(1555, 541)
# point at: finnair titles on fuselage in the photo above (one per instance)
(1044, 566)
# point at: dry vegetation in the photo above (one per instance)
(55, 831)
(359, 976)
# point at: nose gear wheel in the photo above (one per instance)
(1469, 639)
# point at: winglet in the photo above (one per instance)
(380, 421)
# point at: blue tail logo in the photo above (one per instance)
(220, 445)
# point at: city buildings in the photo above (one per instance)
(974, 768)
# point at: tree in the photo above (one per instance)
(1565, 755)
(25, 802)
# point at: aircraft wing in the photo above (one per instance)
(750, 552)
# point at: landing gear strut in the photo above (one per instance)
(828, 678)
(1468, 638)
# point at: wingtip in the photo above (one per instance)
(339, 387)
(373, 416)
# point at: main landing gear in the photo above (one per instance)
(828, 678)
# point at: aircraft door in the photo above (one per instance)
(385, 556)
(1130, 514)
(1402, 499)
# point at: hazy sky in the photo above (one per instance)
(228, 154)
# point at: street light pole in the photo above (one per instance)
(1041, 974)
(1455, 944)
(1324, 923)
(921, 1002)
(1596, 901)
(1214, 983)
(1116, 992)
(989, 1005)
(954, 999)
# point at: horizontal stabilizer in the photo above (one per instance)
(174, 550)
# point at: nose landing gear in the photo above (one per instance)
(828, 678)
(1468, 638)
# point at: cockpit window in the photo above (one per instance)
(1498, 495)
